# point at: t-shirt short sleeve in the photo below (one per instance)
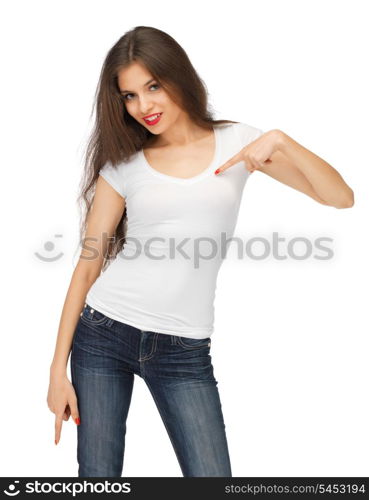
(246, 133)
(114, 176)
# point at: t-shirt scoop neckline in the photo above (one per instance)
(189, 179)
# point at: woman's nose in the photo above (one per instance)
(145, 107)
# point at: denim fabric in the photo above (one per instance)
(106, 354)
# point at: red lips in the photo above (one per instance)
(148, 116)
(155, 121)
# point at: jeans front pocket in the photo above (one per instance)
(189, 343)
(92, 317)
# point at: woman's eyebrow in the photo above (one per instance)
(152, 79)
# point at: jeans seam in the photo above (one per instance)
(165, 425)
(153, 349)
(180, 342)
(101, 321)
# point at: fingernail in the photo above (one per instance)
(56, 441)
(77, 421)
(217, 171)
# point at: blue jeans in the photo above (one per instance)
(106, 354)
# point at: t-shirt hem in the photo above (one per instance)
(95, 304)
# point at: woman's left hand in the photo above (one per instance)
(256, 153)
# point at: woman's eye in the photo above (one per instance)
(125, 97)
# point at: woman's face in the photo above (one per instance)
(143, 96)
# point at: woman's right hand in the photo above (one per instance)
(62, 400)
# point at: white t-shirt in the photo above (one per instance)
(169, 285)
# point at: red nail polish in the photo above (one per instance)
(217, 171)
(77, 420)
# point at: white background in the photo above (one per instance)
(290, 343)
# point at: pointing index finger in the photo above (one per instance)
(232, 161)
(58, 427)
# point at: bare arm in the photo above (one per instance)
(73, 305)
(107, 209)
(296, 166)
(276, 154)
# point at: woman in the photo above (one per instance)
(168, 181)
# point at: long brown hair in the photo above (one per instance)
(116, 135)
